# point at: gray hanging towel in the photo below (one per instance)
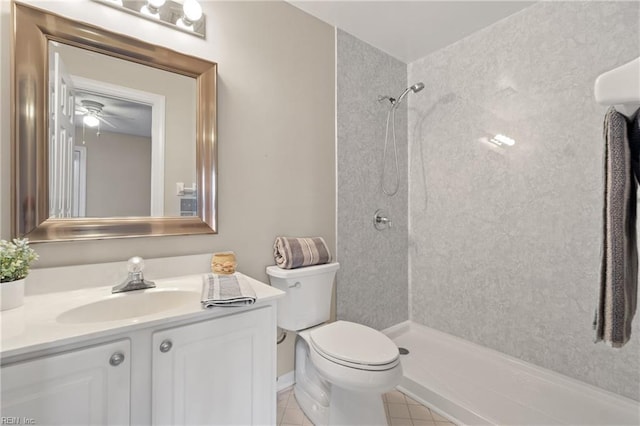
(619, 267)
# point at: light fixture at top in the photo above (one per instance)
(152, 8)
(192, 10)
(185, 15)
(191, 13)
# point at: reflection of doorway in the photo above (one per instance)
(79, 184)
(61, 138)
(157, 104)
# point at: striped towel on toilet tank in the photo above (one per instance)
(291, 253)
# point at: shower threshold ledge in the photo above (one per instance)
(474, 385)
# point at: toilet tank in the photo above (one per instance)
(308, 294)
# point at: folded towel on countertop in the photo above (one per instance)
(619, 266)
(291, 253)
(226, 290)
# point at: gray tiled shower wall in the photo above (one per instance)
(504, 244)
(372, 280)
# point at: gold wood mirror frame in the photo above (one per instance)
(32, 30)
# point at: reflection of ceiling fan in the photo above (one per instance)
(92, 113)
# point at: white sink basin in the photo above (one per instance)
(130, 305)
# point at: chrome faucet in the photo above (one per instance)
(135, 280)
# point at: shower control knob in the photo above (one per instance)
(380, 220)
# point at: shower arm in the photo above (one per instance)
(401, 97)
(394, 102)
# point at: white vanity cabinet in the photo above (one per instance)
(217, 372)
(212, 367)
(89, 386)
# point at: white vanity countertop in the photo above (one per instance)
(34, 326)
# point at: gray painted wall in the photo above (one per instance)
(505, 243)
(276, 133)
(372, 280)
(118, 175)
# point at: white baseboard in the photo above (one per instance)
(286, 381)
(472, 384)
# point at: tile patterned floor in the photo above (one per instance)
(289, 412)
(404, 411)
(401, 411)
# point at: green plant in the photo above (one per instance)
(15, 258)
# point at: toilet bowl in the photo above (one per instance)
(354, 356)
(342, 368)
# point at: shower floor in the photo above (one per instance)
(471, 384)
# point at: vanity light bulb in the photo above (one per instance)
(90, 120)
(156, 4)
(152, 8)
(192, 10)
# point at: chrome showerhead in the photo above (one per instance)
(395, 102)
(415, 89)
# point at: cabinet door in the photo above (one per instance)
(83, 387)
(217, 372)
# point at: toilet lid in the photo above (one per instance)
(354, 344)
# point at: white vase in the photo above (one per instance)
(11, 294)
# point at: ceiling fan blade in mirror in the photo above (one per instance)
(104, 120)
(117, 116)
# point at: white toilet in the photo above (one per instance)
(342, 368)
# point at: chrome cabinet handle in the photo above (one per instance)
(166, 346)
(116, 359)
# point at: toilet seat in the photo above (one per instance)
(355, 346)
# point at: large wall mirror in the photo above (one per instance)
(112, 137)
